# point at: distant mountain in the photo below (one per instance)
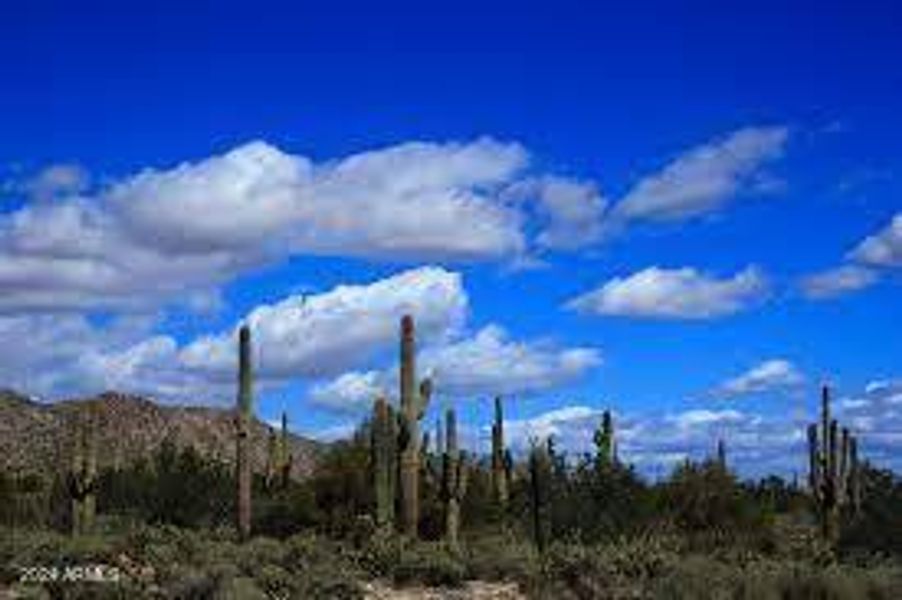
(35, 436)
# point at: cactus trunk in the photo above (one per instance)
(538, 485)
(413, 404)
(383, 461)
(284, 453)
(833, 470)
(499, 472)
(242, 423)
(454, 481)
(83, 476)
(604, 441)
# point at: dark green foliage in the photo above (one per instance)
(704, 496)
(432, 563)
(878, 526)
(177, 487)
(342, 484)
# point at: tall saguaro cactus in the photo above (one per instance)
(283, 454)
(604, 440)
(833, 469)
(454, 480)
(721, 454)
(242, 433)
(414, 400)
(539, 475)
(278, 457)
(499, 470)
(82, 479)
(384, 462)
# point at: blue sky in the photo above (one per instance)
(719, 185)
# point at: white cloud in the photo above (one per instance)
(350, 392)
(875, 417)
(699, 417)
(170, 234)
(775, 375)
(492, 363)
(837, 282)
(325, 334)
(884, 248)
(705, 178)
(572, 211)
(415, 200)
(674, 294)
(487, 363)
(572, 425)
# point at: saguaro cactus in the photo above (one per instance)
(833, 469)
(283, 454)
(604, 440)
(384, 462)
(455, 475)
(414, 400)
(539, 475)
(721, 454)
(82, 479)
(272, 458)
(499, 472)
(242, 434)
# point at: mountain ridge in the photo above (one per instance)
(34, 436)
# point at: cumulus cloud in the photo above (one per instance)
(414, 200)
(164, 234)
(325, 334)
(683, 293)
(776, 375)
(655, 442)
(705, 178)
(318, 335)
(572, 211)
(884, 248)
(351, 392)
(874, 415)
(837, 282)
(575, 424)
(486, 363)
(491, 362)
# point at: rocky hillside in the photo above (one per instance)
(34, 436)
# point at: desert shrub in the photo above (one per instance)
(431, 563)
(619, 568)
(878, 528)
(501, 557)
(705, 578)
(286, 512)
(381, 553)
(341, 484)
(260, 551)
(239, 588)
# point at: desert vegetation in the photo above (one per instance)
(388, 509)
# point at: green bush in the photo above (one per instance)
(501, 557)
(430, 563)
